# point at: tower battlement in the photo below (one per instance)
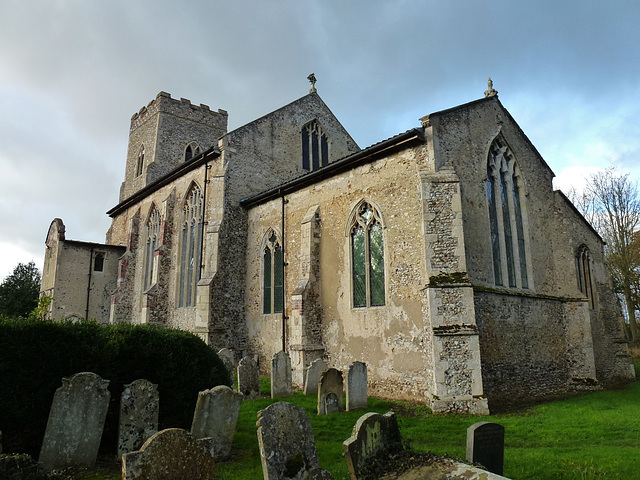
(183, 108)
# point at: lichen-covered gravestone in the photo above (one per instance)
(139, 405)
(171, 454)
(76, 421)
(357, 386)
(312, 376)
(215, 417)
(281, 381)
(287, 447)
(228, 359)
(248, 377)
(330, 390)
(485, 445)
(373, 435)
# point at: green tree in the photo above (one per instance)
(19, 291)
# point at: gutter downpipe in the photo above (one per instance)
(86, 312)
(284, 264)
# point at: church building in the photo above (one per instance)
(440, 257)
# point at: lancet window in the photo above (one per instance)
(315, 147)
(140, 162)
(191, 243)
(583, 272)
(153, 232)
(367, 256)
(506, 217)
(273, 274)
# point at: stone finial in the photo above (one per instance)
(490, 92)
(312, 80)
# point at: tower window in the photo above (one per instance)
(192, 150)
(315, 147)
(140, 163)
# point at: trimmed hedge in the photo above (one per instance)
(36, 354)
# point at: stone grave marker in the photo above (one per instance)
(330, 390)
(357, 386)
(313, 374)
(287, 446)
(139, 406)
(215, 417)
(485, 445)
(248, 377)
(171, 454)
(373, 434)
(281, 381)
(229, 361)
(75, 424)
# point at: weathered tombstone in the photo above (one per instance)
(312, 376)
(485, 445)
(287, 447)
(228, 359)
(330, 390)
(281, 382)
(215, 417)
(139, 406)
(75, 424)
(248, 377)
(171, 454)
(357, 386)
(373, 434)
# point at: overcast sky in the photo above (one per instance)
(73, 72)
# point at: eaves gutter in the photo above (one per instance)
(347, 163)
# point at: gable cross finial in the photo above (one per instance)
(490, 92)
(312, 80)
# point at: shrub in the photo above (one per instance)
(36, 354)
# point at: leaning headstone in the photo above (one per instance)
(171, 454)
(215, 417)
(312, 376)
(373, 435)
(248, 377)
(485, 445)
(330, 390)
(357, 386)
(75, 424)
(139, 405)
(281, 382)
(287, 447)
(228, 359)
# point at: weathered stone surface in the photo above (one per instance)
(357, 386)
(373, 434)
(139, 407)
(313, 374)
(485, 445)
(228, 359)
(248, 377)
(215, 417)
(75, 424)
(330, 390)
(287, 446)
(281, 382)
(171, 454)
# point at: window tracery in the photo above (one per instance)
(192, 150)
(153, 232)
(583, 273)
(273, 274)
(315, 146)
(191, 241)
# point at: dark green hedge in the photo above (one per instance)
(35, 355)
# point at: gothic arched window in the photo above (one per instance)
(190, 254)
(315, 147)
(583, 273)
(367, 256)
(153, 232)
(272, 274)
(140, 162)
(506, 218)
(192, 150)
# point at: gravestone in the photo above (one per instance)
(215, 417)
(357, 386)
(373, 434)
(171, 454)
(330, 390)
(139, 406)
(287, 447)
(75, 424)
(229, 361)
(281, 382)
(312, 376)
(248, 377)
(485, 445)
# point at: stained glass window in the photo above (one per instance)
(367, 257)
